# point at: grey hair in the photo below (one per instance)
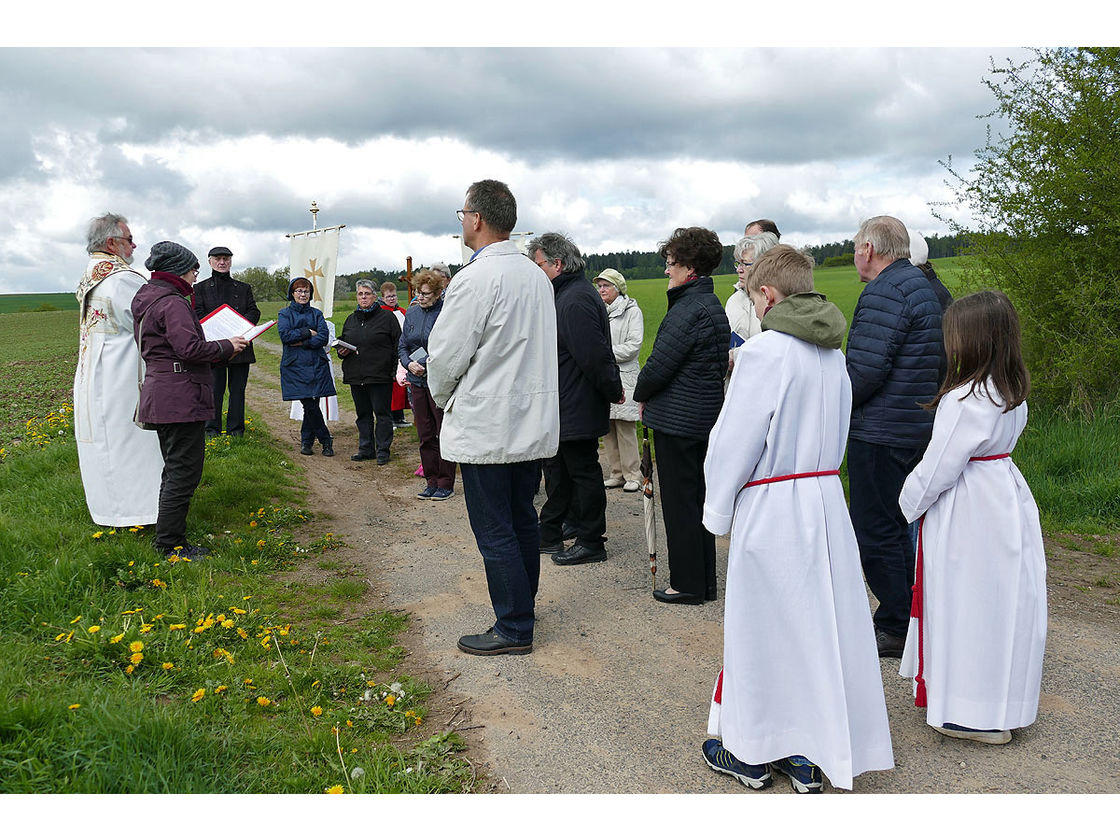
(494, 203)
(757, 243)
(102, 229)
(365, 284)
(887, 235)
(556, 246)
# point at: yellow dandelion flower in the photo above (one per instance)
(74, 706)
(409, 715)
(241, 632)
(220, 689)
(260, 543)
(317, 710)
(390, 701)
(136, 647)
(246, 598)
(353, 749)
(314, 683)
(167, 666)
(228, 623)
(252, 523)
(158, 584)
(334, 789)
(69, 636)
(112, 531)
(116, 638)
(76, 620)
(146, 628)
(95, 628)
(239, 611)
(349, 722)
(176, 627)
(263, 701)
(252, 562)
(60, 637)
(221, 617)
(419, 720)
(136, 658)
(198, 695)
(98, 534)
(248, 681)
(130, 669)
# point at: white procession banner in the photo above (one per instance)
(314, 256)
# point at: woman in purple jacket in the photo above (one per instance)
(177, 396)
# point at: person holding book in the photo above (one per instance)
(177, 395)
(218, 289)
(399, 400)
(369, 369)
(412, 350)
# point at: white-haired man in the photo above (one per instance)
(120, 463)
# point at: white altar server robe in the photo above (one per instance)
(984, 581)
(801, 669)
(121, 464)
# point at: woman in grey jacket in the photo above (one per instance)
(627, 331)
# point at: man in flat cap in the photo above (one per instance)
(209, 294)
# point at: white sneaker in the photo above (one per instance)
(631, 487)
(613, 482)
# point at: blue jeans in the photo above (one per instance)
(499, 501)
(875, 477)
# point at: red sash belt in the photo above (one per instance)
(916, 601)
(789, 477)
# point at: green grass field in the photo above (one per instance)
(46, 302)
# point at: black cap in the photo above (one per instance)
(220, 251)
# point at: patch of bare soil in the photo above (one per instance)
(614, 697)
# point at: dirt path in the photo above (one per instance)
(614, 698)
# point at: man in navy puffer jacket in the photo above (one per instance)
(893, 359)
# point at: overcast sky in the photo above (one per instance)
(615, 147)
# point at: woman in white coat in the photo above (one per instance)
(627, 332)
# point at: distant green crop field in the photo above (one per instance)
(38, 302)
(38, 352)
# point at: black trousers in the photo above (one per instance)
(236, 376)
(876, 474)
(573, 481)
(371, 402)
(184, 448)
(691, 548)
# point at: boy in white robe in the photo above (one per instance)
(800, 691)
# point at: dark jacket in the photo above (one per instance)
(589, 380)
(305, 369)
(418, 323)
(894, 358)
(217, 289)
(681, 382)
(178, 385)
(375, 334)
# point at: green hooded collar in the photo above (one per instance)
(810, 317)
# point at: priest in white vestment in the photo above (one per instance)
(120, 463)
(801, 673)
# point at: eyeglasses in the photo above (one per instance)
(301, 290)
(741, 264)
(671, 263)
(127, 239)
(463, 212)
(428, 293)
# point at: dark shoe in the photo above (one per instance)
(382, 460)
(579, 554)
(442, 494)
(984, 736)
(306, 450)
(426, 493)
(491, 643)
(361, 456)
(676, 597)
(552, 548)
(803, 774)
(889, 645)
(754, 776)
(186, 552)
(328, 450)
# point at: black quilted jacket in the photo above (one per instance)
(681, 382)
(894, 358)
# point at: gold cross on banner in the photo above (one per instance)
(311, 273)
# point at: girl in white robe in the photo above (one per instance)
(801, 673)
(976, 644)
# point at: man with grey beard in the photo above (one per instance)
(120, 463)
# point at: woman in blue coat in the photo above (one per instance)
(305, 372)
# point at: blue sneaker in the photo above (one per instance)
(426, 493)
(754, 776)
(442, 493)
(803, 774)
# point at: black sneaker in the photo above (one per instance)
(579, 554)
(328, 450)
(186, 552)
(306, 450)
(803, 774)
(888, 644)
(984, 736)
(491, 643)
(754, 776)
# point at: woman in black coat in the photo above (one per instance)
(681, 392)
(370, 371)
